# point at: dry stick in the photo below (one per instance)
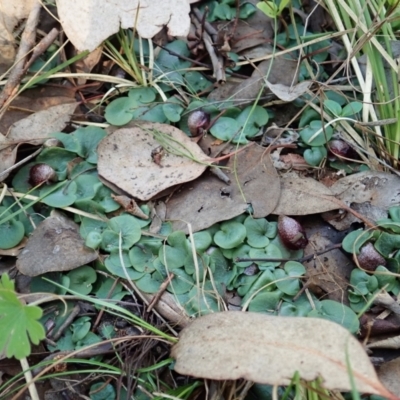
(41, 47)
(216, 60)
(27, 42)
(162, 289)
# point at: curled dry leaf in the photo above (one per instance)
(130, 206)
(269, 350)
(125, 159)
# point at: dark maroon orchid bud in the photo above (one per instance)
(198, 122)
(369, 259)
(339, 148)
(41, 173)
(291, 233)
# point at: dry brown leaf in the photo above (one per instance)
(11, 12)
(208, 200)
(55, 245)
(370, 193)
(34, 129)
(270, 350)
(88, 23)
(389, 374)
(288, 93)
(300, 196)
(125, 159)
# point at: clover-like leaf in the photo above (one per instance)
(125, 226)
(225, 128)
(352, 108)
(259, 231)
(315, 155)
(181, 282)
(271, 251)
(121, 266)
(264, 282)
(287, 279)
(149, 283)
(18, 322)
(196, 82)
(81, 279)
(251, 119)
(142, 257)
(355, 240)
(230, 235)
(202, 240)
(310, 136)
(387, 243)
(64, 196)
(172, 111)
(333, 107)
(173, 254)
(86, 186)
(99, 391)
(266, 301)
(394, 213)
(120, 111)
(91, 225)
(80, 328)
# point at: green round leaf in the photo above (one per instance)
(149, 283)
(120, 111)
(287, 280)
(93, 240)
(172, 111)
(196, 82)
(89, 225)
(225, 128)
(387, 243)
(142, 257)
(11, 231)
(252, 119)
(315, 155)
(259, 231)
(202, 241)
(142, 95)
(333, 107)
(181, 282)
(121, 269)
(242, 251)
(265, 302)
(173, 255)
(308, 134)
(355, 240)
(337, 312)
(86, 186)
(352, 108)
(100, 391)
(394, 213)
(230, 235)
(81, 279)
(128, 227)
(64, 196)
(271, 251)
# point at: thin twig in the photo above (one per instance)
(300, 259)
(162, 289)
